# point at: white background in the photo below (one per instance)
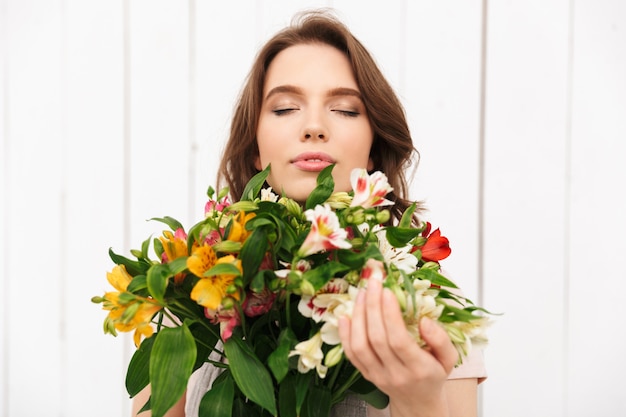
(113, 112)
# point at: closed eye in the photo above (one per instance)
(281, 112)
(348, 113)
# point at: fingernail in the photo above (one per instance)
(426, 325)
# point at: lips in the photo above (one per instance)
(312, 161)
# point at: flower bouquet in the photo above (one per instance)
(263, 283)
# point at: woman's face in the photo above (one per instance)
(311, 116)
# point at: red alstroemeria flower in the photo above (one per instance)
(436, 248)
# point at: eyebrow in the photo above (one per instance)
(334, 92)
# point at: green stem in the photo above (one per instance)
(337, 394)
(335, 374)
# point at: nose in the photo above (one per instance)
(314, 128)
(314, 134)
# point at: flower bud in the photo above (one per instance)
(136, 253)
(419, 241)
(129, 313)
(227, 246)
(97, 300)
(333, 356)
(292, 206)
(228, 303)
(307, 288)
(383, 216)
(431, 265)
(243, 205)
(339, 200)
(400, 296)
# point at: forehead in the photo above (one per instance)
(310, 66)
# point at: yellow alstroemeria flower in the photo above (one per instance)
(238, 232)
(127, 311)
(119, 278)
(210, 291)
(174, 244)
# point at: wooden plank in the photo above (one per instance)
(225, 47)
(442, 78)
(525, 161)
(5, 239)
(159, 123)
(597, 223)
(35, 273)
(94, 206)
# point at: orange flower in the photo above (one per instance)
(210, 291)
(238, 232)
(174, 244)
(127, 311)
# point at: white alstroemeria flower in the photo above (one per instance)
(325, 232)
(369, 190)
(311, 355)
(314, 306)
(268, 195)
(402, 257)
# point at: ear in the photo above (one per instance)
(257, 163)
(370, 164)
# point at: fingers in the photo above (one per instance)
(440, 345)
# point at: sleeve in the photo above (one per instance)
(473, 366)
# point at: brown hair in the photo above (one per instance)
(392, 148)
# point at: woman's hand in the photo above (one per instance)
(376, 341)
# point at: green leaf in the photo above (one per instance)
(170, 221)
(222, 269)
(252, 378)
(356, 260)
(138, 283)
(145, 246)
(302, 387)
(218, 401)
(278, 360)
(434, 277)
(287, 397)
(252, 254)
(253, 187)
(317, 402)
(324, 273)
(400, 236)
(171, 364)
(157, 278)
(132, 267)
(407, 217)
(324, 188)
(138, 375)
(178, 265)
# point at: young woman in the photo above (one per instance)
(315, 97)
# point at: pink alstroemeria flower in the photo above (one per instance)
(257, 304)
(325, 232)
(228, 319)
(213, 205)
(369, 190)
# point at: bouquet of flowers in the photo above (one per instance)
(263, 282)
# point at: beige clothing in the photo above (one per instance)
(200, 382)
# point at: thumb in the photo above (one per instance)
(439, 343)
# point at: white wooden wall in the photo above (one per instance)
(112, 112)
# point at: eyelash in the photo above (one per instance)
(281, 112)
(346, 113)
